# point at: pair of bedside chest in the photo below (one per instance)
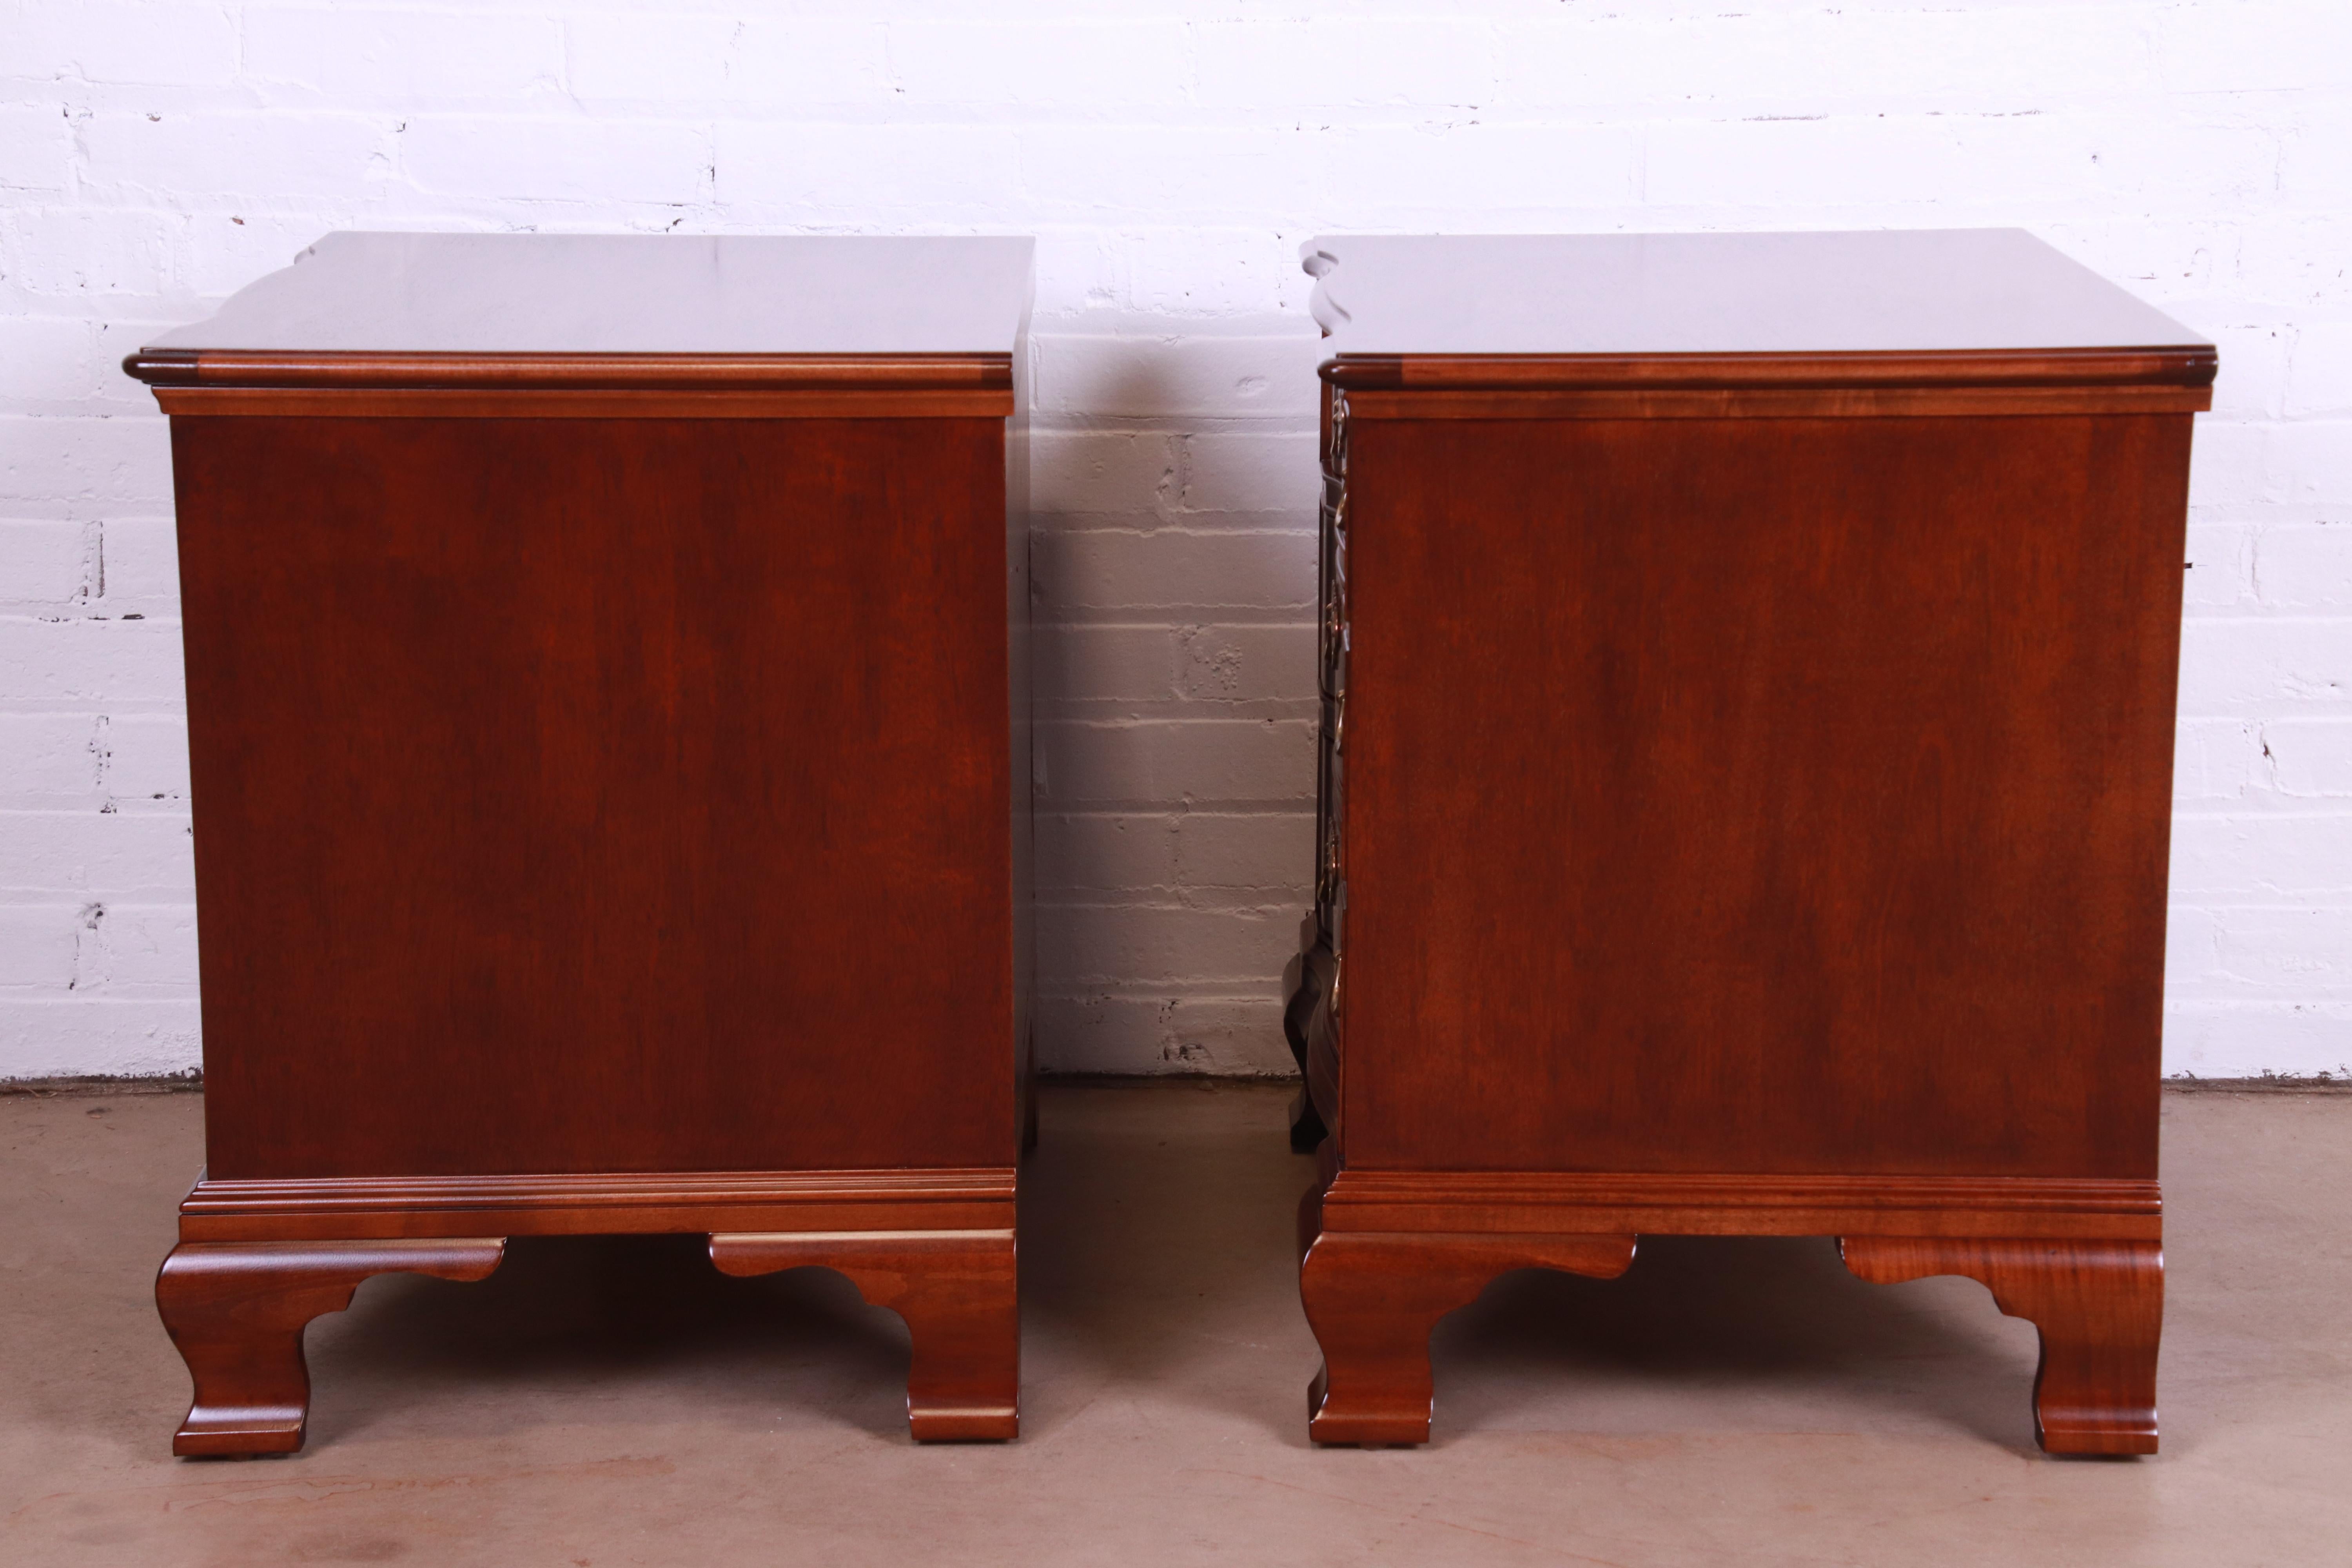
(1747, 671)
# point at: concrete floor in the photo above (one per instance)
(610, 1402)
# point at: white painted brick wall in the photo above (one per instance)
(155, 156)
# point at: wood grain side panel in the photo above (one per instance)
(599, 796)
(1801, 786)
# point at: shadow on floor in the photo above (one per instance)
(1734, 1331)
(645, 1318)
(1158, 1254)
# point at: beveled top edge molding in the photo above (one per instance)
(620, 1190)
(572, 373)
(2097, 1194)
(1938, 369)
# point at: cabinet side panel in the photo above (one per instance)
(1760, 796)
(599, 796)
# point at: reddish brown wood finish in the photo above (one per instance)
(2127, 371)
(2098, 1304)
(601, 1205)
(1746, 807)
(257, 1259)
(611, 790)
(1387, 1253)
(1834, 759)
(567, 403)
(1373, 1297)
(408, 372)
(236, 1312)
(1673, 1203)
(599, 795)
(957, 1289)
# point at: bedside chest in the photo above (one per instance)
(1748, 693)
(611, 779)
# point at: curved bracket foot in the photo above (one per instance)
(1373, 1297)
(236, 1311)
(958, 1291)
(2099, 1306)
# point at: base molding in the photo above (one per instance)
(958, 1291)
(2097, 1305)
(1385, 1254)
(1373, 1297)
(237, 1313)
(1676, 1204)
(602, 1204)
(259, 1260)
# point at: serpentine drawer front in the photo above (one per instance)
(611, 779)
(1748, 685)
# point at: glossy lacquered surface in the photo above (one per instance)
(238, 1311)
(1780, 720)
(599, 796)
(596, 294)
(1858, 292)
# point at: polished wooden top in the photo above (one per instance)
(574, 295)
(1899, 292)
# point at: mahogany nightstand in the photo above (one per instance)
(1748, 670)
(611, 779)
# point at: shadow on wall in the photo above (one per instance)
(1173, 579)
